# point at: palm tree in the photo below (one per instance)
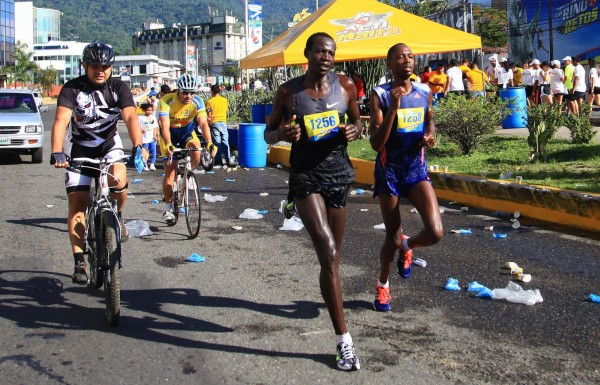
(24, 67)
(47, 78)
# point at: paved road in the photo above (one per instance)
(252, 313)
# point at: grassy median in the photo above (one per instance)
(568, 166)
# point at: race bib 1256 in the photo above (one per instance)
(411, 120)
(322, 125)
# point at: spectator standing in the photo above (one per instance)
(491, 69)
(528, 78)
(258, 85)
(149, 127)
(455, 81)
(557, 83)
(543, 83)
(594, 83)
(464, 67)
(577, 94)
(517, 74)
(425, 75)
(360, 87)
(478, 80)
(437, 82)
(504, 75)
(568, 69)
(216, 109)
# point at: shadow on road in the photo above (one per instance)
(35, 299)
(41, 223)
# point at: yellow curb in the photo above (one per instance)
(563, 207)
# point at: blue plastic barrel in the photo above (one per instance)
(252, 148)
(518, 107)
(268, 110)
(258, 113)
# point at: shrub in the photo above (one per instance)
(240, 103)
(580, 125)
(467, 121)
(543, 121)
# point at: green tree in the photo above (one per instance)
(24, 67)
(47, 78)
(492, 25)
(421, 7)
(231, 71)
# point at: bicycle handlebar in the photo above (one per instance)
(183, 151)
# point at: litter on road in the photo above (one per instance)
(196, 258)
(138, 228)
(462, 231)
(250, 214)
(214, 198)
(292, 224)
(452, 284)
(516, 294)
(380, 226)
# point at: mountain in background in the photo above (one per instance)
(114, 22)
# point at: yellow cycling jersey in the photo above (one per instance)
(180, 115)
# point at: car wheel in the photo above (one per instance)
(37, 156)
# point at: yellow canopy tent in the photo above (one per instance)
(362, 30)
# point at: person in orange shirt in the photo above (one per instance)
(464, 67)
(437, 82)
(478, 80)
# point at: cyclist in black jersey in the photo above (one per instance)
(308, 111)
(92, 104)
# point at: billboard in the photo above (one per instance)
(548, 30)
(190, 60)
(125, 74)
(255, 19)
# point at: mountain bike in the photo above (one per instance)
(186, 192)
(103, 237)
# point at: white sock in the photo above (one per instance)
(405, 246)
(384, 285)
(168, 206)
(344, 338)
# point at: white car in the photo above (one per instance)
(21, 126)
(38, 98)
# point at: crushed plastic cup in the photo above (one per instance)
(182, 210)
(475, 287)
(419, 262)
(511, 266)
(594, 298)
(364, 209)
(205, 188)
(279, 166)
(464, 208)
(380, 226)
(484, 293)
(214, 198)
(137, 181)
(360, 191)
(499, 235)
(263, 212)
(524, 278)
(250, 214)
(489, 228)
(154, 202)
(462, 231)
(238, 228)
(195, 258)
(452, 284)
(516, 271)
(514, 293)
(414, 210)
(292, 224)
(263, 194)
(49, 206)
(138, 228)
(229, 180)
(210, 172)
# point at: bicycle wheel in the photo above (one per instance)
(92, 248)
(177, 197)
(191, 203)
(111, 256)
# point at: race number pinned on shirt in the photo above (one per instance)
(322, 125)
(411, 120)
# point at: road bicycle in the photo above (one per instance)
(186, 191)
(103, 236)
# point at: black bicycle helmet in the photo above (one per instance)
(98, 54)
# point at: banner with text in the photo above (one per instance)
(572, 28)
(255, 21)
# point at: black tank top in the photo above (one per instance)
(320, 142)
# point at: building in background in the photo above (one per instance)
(36, 25)
(147, 71)
(217, 44)
(7, 35)
(63, 56)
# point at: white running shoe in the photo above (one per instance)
(152, 167)
(146, 168)
(346, 358)
(169, 217)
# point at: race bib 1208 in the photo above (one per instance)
(411, 120)
(322, 125)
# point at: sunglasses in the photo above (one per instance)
(188, 92)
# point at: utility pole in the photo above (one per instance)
(317, 4)
(247, 31)
(550, 29)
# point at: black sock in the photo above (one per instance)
(78, 257)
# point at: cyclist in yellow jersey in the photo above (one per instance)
(179, 113)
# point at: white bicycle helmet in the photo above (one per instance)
(187, 82)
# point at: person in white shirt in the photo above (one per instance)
(528, 79)
(594, 83)
(543, 83)
(504, 74)
(149, 126)
(577, 94)
(557, 83)
(490, 71)
(455, 81)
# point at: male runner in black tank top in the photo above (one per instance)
(307, 112)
